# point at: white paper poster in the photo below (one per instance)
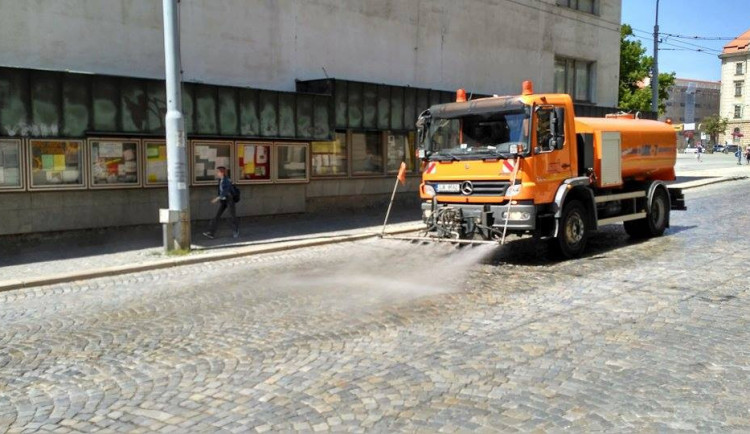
(110, 150)
(262, 156)
(222, 162)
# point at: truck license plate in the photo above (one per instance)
(448, 188)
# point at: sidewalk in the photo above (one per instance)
(713, 168)
(52, 258)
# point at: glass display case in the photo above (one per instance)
(114, 163)
(207, 157)
(291, 162)
(56, 164)
(253, 162)
(155, 163)
(11, 165)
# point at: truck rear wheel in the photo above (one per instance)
(657, 218)
(573, 231)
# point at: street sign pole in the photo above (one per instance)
(179, 195)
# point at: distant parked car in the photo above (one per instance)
(690, 150)
(731, 149)
(718, 148)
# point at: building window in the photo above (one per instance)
(737, 111)
(400, 148)
(329, 158)
(589, 6)
(738, 67)
(738, 88)
(574, 78)
(367, 153)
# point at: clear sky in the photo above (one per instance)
(705, 18)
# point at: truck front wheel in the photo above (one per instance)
(573, 231)
(657, 218)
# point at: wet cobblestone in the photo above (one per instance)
(385, 336)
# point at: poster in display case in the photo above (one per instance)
(254, 162)
(155, 163)
(56, 164)
(11, 165)
(114, 163)
(207, 157)
(291, 162)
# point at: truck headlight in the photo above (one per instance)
(516, 215)
(430, 191)
(513, 190)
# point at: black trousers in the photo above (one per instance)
(223, 205)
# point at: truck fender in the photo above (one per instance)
(564, 190)
(652, 188)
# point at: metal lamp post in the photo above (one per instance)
(176, 219)
(655, 72)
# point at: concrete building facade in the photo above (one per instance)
(82, 80)
(735, 90)
(689, 102)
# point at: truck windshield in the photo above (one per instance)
(482, 135)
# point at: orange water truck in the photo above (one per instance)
(526, 165)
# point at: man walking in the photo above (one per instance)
(226, 199)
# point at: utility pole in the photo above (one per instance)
(655, 71)
(176, 220)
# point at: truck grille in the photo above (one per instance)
(477, 188)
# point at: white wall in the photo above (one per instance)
(485, 45)
(728, 77)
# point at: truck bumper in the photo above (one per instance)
(522, 217)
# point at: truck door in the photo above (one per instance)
(552, 165)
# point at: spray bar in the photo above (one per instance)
(441, 240)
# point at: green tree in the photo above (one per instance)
(635, 67)
(714, 125)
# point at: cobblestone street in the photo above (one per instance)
(387, 336)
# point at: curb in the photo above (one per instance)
(703, 182)
(9, 285)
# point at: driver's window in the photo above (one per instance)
(543, 128)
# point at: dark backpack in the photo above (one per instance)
(235, 193)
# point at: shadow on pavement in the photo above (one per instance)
(681, 179)
(535, 253)
(31, 248)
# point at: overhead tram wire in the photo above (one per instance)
(706, 38)
(682, 42)
(692, 47)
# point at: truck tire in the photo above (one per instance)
(657, 218)
(573, 231)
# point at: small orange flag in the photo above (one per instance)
(402, 174)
